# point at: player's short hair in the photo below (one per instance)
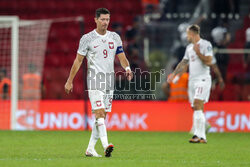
(100, 11)
(195, 28)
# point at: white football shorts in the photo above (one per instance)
(101, 99)
(199, 89)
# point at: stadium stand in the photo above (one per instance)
(64, 37)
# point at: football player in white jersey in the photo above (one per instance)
(198, 56)
(216, 70)
(100, 47)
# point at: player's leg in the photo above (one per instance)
(101, 127)
(199, 122)
(191, 93)
(193, 127)
(96, 100)
(108, 98)
(108, 148)
(207, 125)
(202, 90)
(92, 142)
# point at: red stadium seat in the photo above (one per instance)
(232, 92)
(215, 94)
(245, 93)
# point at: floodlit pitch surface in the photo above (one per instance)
(131, 149)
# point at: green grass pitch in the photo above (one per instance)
(132, 149)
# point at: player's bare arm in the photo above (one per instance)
(74, 69)
(181, 67)
(125, 64)
(184, 70)
(218, 75)
(205, 59)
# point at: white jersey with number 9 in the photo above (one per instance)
(100, 51)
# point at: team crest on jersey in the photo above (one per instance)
(111, 45)
(98, 103)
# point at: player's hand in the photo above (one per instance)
(197, 48)
(129, 75)
(221, 84)
(68, 87)
(170, 78)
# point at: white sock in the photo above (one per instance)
(94, 137)
(199, 124)
(102, 132)
(193, 125)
